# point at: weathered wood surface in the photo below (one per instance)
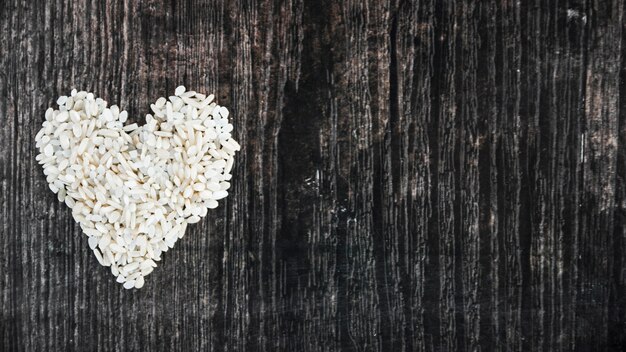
(416, 176)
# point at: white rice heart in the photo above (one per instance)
(133, 189)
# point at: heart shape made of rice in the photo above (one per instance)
(133, 189)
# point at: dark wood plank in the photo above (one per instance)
(416, 176)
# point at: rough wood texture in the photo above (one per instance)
(417, 176)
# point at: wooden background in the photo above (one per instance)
(416, 176)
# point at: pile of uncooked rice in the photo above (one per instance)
(133, 189)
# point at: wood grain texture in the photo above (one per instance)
(416, 176)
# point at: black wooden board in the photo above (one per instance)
(415, 176)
